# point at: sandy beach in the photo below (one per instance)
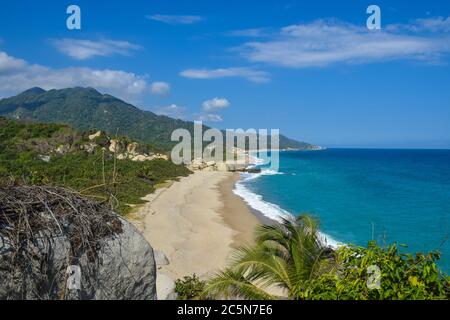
(196, 222)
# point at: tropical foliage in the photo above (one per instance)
(398, 275)
(190, 287)
(285, 256)
(289, 260)
(97, 174)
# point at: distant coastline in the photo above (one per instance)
(310, 148)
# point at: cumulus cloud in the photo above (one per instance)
(160, 88)
(17, 75)
(84, 49)
(210, 117)
(325, 42)
(247, 73)
(215, 104)
(175, 19)
(211, 109)
(172, 110)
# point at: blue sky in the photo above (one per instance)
(310, 68)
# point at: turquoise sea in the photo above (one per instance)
(388, 195)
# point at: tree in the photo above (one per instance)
(286, 256)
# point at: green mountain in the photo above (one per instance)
(87, 109)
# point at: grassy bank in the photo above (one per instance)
(52, 154)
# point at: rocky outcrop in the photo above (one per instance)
(132, 148)
(202, 165)
(125, 150)
(239, 160)
(89, 147)
(63, 149)
(55, 244)
(160, 258)
(63, 143)
(44, 158)
(95, 135)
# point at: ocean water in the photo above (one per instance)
(390, 196)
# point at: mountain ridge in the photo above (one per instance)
(92, 110)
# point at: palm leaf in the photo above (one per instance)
(286, 255)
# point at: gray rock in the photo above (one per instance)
(128, 270)
(124, 270)
(89, 147)
(44, 158)
(160, 258)
(165, 287)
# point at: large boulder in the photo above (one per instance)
(55, 244)
(165, 287)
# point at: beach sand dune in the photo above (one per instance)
(196, 222)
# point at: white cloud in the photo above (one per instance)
(247, 73)
(8, 63)
(172, 110)
(84, 49)
(437, 24)
(211, 109)
(160, 88)
(210, 117)
(249, 33)
(215, 104)
(325, 42)
(20, 75)
(175, 19)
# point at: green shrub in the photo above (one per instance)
(190, 287)
(402, 276)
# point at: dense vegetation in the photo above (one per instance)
(402, 276)
(190, 287)
(97, 174)
(86, 109)
(291, 259)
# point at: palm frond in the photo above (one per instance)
(230, 284)
(260, 265)
(286, 255)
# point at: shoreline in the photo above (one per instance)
(236, 213)
(273, 211)
(196, 223)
